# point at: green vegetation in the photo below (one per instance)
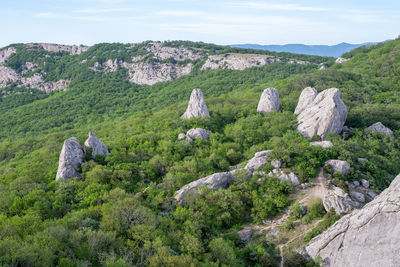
(121, 213)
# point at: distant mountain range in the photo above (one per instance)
(319, 50)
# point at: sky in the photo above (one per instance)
(220, 21)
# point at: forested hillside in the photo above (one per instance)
(121, 211)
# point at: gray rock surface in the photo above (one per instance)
(365, 183)
(337, 199)
(184, 137)
(357, 196)
(71, 157)
(276, 164)
(380, 128)
(340, 60)
(327, 113)
(258, 161)
(70, 49)
(98, 148)
(307, 96)
(235, 61)
(198, 133)
(323, 144)
(6, 53)
(291, 177)
(197, 106)
(213, 182)
(367, 237)
(269, 100)
(339, 165)
(245, 234)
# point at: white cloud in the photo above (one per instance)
(275, 6)
(102, 10)
(51, 15)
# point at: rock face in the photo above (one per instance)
(213, 182)
(197, 106)
(70, 49)
(340, 60)
(367, 237)
(327, 113)
(258, 161)
(323, 144)
(6, 53)
(269, 100)
(307, 96)
(235, 61)
(380, 128)
(71, 157)
(98, 148)
(339, 165)
(339, 200)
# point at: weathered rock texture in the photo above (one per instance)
(198, 133)
(323, 144)
(197, 106)
(339, 165)
(258, 161)
(71, 157)
(213, 182)
(380, 128)
(70, 49)
(327, 113)
(98, 148)
(339, 200)
(269, 100)
(235, 61)
(340, 60)
(307, 96)
(6, 53)
(367, 237)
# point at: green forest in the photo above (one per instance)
(121, 211)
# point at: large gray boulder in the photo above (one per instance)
(307, 96)
(198, 133)
(213, 182)
(291, 177)
(380, 128)
(269, 100)
(258, 161)
(327, 113)
(98, 148)
(367, 237)
(71, 157)
(197, 106)
(339, 200)
(339, 165)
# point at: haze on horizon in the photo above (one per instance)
(221, 22)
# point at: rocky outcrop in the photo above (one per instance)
(338, 165)
(213, 182)
(235, 61)
(197, 106)
(339, 200)
(340, 60)
(327, 113)
(194, 133)
(307, 96)
(6, 53)
(7, 76)
(367, 237)
(269, 100)
(323, 144)
(258, 161)
(162, 52)
(290, 177)
(380, 128)
(71, 157)
(70, 49)
(98, 148)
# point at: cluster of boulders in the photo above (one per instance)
(194, 133)
(367, 237)
(73, 154)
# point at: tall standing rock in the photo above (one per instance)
(367, 237)
(98, 148)
(269, 100)
(71, 157)
(327, 113)
(197, 106)
(307, 96)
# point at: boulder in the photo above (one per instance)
(71, 157)
(184, 137)
(291, 177)
(380, 128)
(269, 100)
(213, 182)
(323, 144)
(197, 106)
(276, 164)
(338, 165)
(327, 113)
(337, 199)
(98, 148)
(365, 183)
(307, 96)
(258, 161)
(357, 196)
(198, 133)
(367, 237)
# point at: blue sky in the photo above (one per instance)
(222, 22)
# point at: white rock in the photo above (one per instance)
(197, 106)
(213, 182)
(380, 128)
(198, 133)
(235, 61)
(339, 165)
(365, 183)
(367, 237)
(327, 113)
(258, 161)
(362, 160)
(71, 157)
(276, 164)
(340, 60)
(98, 147)
(337, 199)
(291, 177)
(269, 100)
(324, 144)
(307, 96)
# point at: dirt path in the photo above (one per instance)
(317, 191)
(282, 257)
